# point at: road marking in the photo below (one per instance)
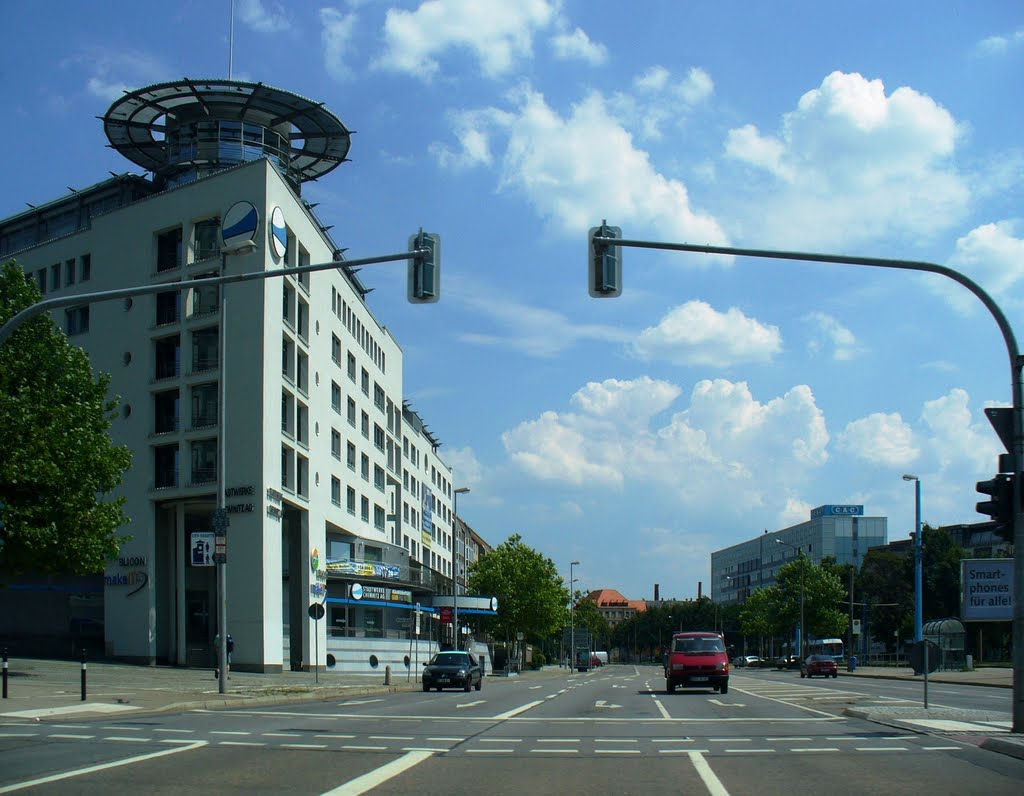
(729, 740)
(358, 702)
(499, 740)
(943, 748)
(470, 704)
(392, 737)
(756, 751)
(71, 735)
(18, 734)
(556, 751)
(489, 751)
(379, 776)
(240, 743)
(616, 751)
(92, 707)
(516, 711)
(815, 749)
(616, 740)
(711, 780)
(452, 739)
(100, 767)
(281, 735)
(335, 736)
(880, 748)
(671, 740)
(558, 740)
(433, 749)
(229, 732)
(682, 751)
(535, 687)
(162, 729)
(661, 709)
(125, 738)
(603, 704)
(303, 746)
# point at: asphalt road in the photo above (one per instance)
(613, 730)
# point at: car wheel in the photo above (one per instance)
(724, 689)
(468, 684)
(439, 689)
(834, 676)
(802, 675)
(480, 683)
(426, 687)
(670, 686)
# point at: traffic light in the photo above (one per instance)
(1000, 507)
(425, 268)
(605, 262)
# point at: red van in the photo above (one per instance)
(697, 660)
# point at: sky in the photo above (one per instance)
(717, 396)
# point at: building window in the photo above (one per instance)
(55, 277)
(302, 476)
(352, 412)
(203, 300)
(167, 352)
(165, 411)
(288, 359)
(364, 509)
(302, 372)
(288, 310)
(302, 423)
(41, 280)
(288, 413)
(350, 500)
(365, 418)
(336, 397)
(351, 359)
(378, 477)
(165, 472)
(303, 260)
(287, 468)
(204, 405)
(168, 250)
(336, 444)
(350, 456)
(204, 461)
(302, 319)
(77, 319)
(206, 239)
(378, 396)
(365, 378)
(364, 467)
(336, 349)
(335, 491)
(168, 307)
(69, 272)
(378, 517)
(378, 437)
(204, 349)
(85, 262)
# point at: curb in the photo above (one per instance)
(1013, 747)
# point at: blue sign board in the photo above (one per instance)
(837, 511)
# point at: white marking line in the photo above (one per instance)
(335, 736)
(71, 736)
(357, 748)
(745, 751)
(240, 743)
(558, 740)
(392, 737)
(72, 726)
(787, 704)
(161, 729)
(100, 767)
(711, 780)
(661, 709)
(789, 738)
(303, 746)
(729, 740)
(92, 707)
(280, 735)
(499, 740)
(535, 687)
(815, 749)
(556, 751)
(126, 739)
(229, 732)
(471, 704)
(682, 751)
(616, 740)
(489, 751)
(359, 702)
(671, 740)
(379, 776)
(18, 734)
(943, 748)
(880, 748)
(452, 739)
(616, 751)
(516, 711)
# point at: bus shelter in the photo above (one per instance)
(948, 635)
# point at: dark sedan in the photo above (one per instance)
(453, 670)
(824, 665)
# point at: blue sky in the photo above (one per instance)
(716, 397)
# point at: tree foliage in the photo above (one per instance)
(823, 593)
(587, 615)
(532, 598)
(58, 462)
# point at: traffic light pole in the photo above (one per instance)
(1016, 450)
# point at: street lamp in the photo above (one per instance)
(803, 569)
(455, 596)
(918, 555)
(572, 617)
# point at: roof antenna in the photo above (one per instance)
(231, 39)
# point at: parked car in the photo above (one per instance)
(824, 665)
(453, 669)
(787, 662)
(697, 660)
(746, 660)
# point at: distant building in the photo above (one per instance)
(840, 531)
(613, 606)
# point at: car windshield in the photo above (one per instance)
(450, 659)
(698, 646)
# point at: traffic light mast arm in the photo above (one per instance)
(45, 305)
(1017, 389)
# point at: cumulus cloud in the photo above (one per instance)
(696, 334)
(852, 164)
(724, 441)
(954, 436)
(1000, 45)
(828, 332)
(577, 46)
(263, 17)
(880, 438)
(498, 34)
(660, 99)
(580, 167)
(993, 256)
(336, 35)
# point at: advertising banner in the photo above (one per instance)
(986, 589)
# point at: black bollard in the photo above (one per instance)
(83, 674)
(5, 672)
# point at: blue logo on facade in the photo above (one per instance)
(837, 511)
(278, 232)
(240, 225)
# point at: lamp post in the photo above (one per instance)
(572, 617)
(803, 569)
(918, 556)
(455, 595)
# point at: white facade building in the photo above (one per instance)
(326, 481)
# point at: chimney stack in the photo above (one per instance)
(657, 592)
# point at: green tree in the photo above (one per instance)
(586, 615)
(886, 587)
(823, 593)
(58, 464)
(940, 573)
(532, 599)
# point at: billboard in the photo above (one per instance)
(986, 589)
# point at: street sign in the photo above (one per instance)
(220, 550)
(202, 549)
(446, 615)
(316, 611)
(917, 658)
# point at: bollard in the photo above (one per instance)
(5, 672)
(83, 674)
(387, 675)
